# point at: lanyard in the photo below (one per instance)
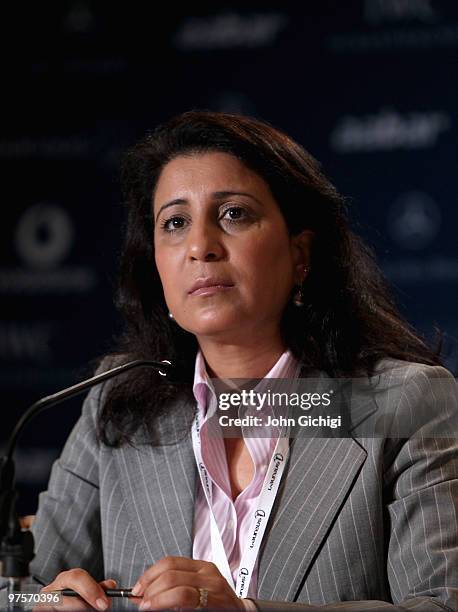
(260, 517)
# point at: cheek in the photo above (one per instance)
(161, 267)
(167, 273)
(268, 267)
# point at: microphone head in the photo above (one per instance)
(174, 373)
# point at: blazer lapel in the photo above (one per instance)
(158, 484)
(320, 475)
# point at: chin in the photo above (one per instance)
(212, 324)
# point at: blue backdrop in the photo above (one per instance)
(368, 86)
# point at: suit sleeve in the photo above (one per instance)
(421, 485)
(67, 529)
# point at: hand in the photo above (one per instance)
(26, 521)
(91, 593)
(174, 582)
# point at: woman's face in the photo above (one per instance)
(222, 248)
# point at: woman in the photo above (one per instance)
(239, 263)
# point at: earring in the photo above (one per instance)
(171, 316)
(298, 299)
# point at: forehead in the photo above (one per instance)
(193, 175)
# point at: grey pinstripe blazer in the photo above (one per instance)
(368, 522)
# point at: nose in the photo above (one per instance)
(204, 241)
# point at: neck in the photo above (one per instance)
(248, 360)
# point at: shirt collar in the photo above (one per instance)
(202, 386)
(287, 366)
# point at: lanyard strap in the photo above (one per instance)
(260, 517)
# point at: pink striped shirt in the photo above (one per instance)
(232, 517)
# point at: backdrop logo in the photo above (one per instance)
(80, 18)
(376, 11)
(228, 30)
(44, 236)
(397, 24)
(25, 341)
(414, 220)
(387, 130)
(43, 239)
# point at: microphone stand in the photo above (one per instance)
(16, 545)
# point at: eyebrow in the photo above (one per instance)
(217, 195)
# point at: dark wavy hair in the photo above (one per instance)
(349, 320)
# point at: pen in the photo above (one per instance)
(108, 593)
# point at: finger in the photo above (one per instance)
(110, 583)
(163, 565)
(26, 521)
(75, 603)
(178, 597)
(177, 578)
(82, 582)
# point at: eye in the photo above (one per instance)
(173, 224)
(234, 214)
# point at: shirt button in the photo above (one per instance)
(230, 524)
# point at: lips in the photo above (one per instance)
(211, 284)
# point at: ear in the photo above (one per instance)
(301, 250)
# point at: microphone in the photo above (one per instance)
(16, 546)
